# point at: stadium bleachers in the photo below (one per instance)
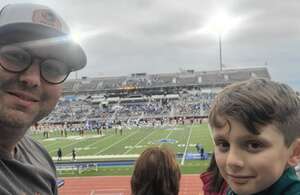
(144, 81)
(184, 94)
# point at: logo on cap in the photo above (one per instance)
(46, 17)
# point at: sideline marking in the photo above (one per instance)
(186, 145)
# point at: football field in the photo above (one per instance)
(114, 146)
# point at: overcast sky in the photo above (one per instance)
(159, 36)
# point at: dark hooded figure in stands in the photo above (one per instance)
(36, 56)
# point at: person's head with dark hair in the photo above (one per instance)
(156, 172)
(255, 129)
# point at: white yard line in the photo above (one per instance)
(96, 142)
(186, 146)
(171, 131)
(50, 144)
(73, 143)
(210, 133)
(133, 133)
(139, 142)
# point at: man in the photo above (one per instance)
(73, 154)
(59, 154)
(36, 56)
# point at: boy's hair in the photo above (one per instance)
(256, 103)
(156, 172)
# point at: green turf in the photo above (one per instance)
(132, 142)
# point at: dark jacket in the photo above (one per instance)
(287, 184)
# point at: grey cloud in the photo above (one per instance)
(150, 35)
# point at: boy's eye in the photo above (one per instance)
(254, 146)
(222, 146)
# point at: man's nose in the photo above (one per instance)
(31, 77)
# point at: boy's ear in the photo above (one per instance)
(294, 159)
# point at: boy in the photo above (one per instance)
(255, 126)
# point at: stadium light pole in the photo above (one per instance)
(220, 24)
(220, 52)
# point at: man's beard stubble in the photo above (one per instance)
(13, 84)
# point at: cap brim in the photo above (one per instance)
(49, 42)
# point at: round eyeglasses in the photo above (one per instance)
(16, 60)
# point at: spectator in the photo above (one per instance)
(202, 154)
(35, 58)
(59, 154)
(156, 172)
(198, 147)
(255, 126)
(73, 154)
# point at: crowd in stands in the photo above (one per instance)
(80, 110)
(79, 103)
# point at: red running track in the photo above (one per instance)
(120, 185)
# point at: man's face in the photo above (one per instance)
(250, 163)
(25, 97)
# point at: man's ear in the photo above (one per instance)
(294, 158)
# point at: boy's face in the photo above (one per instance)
(250, 163)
